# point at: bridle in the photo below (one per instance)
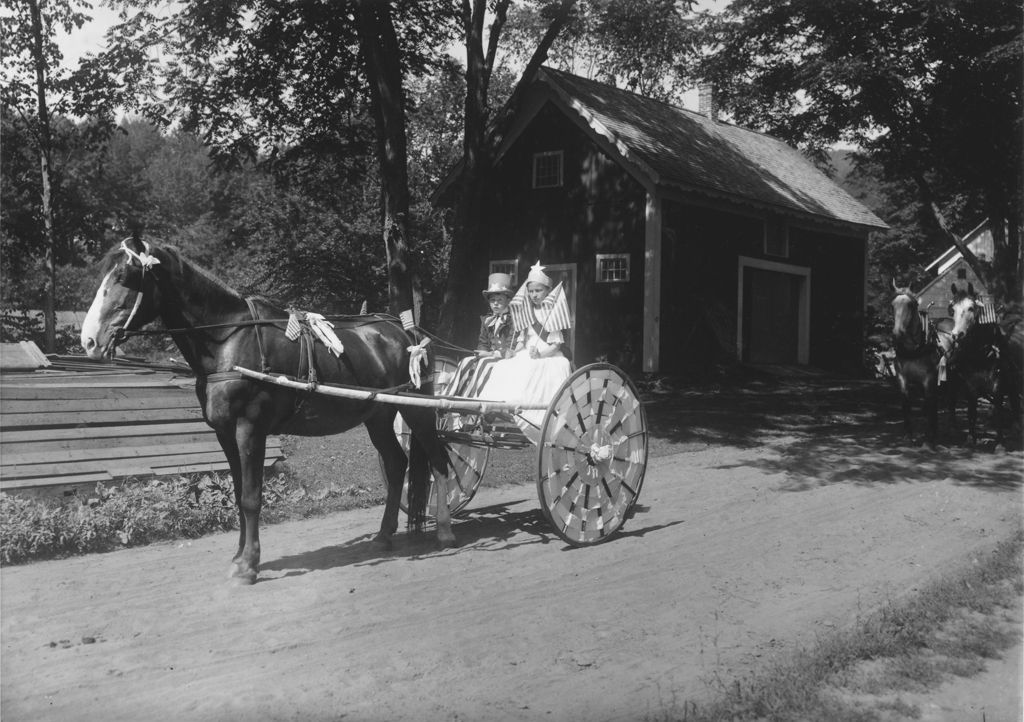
(146, 262)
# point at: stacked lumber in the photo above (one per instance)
(65, 429)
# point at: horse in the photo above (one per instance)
(216, 329)
(917, 359)
(981, 361)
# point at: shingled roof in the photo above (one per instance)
(676, 147)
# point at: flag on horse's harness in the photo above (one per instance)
(320, 327)
(554, 303)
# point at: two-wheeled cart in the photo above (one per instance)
(591, 453)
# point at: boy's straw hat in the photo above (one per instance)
(498, 283)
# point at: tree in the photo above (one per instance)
(265, 80)
(479, 140)
(31, 73)
(36, 87)
(931, 91)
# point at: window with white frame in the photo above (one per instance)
(547, 169)
(612, 267)
(776, 238)
(509, 266)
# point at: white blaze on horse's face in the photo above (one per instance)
(92, 325)
(965, 314)
(116, 305)
(904, 308)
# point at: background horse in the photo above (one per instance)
(917, 357)
(216, 329)
(981, 362)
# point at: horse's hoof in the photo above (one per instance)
(383, 541)
(446, 541)
(241, 577)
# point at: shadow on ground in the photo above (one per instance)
(823, 429)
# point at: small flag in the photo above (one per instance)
(294, 328)
(362, 309)
(518, 307)
(557, 308)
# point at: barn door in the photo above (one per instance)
(771, 323)
(565, 273)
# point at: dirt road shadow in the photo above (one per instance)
(825, 430)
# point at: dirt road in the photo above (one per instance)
(735, 555)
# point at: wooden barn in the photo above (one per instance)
(682, 240)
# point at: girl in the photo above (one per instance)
(538, 366)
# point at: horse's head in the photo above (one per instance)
(965, 308)
(907, 329)
(127, 298)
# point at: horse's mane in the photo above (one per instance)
(179, 264)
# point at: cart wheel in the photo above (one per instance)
(468, 460)
(592, 455)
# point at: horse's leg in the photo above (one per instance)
(907, 425)
(423, 423)
(972, 417)
(931, 410)
(227, 443)
(252, 446)
(950, 388)
(380, 427)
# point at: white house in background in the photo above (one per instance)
(950, 268)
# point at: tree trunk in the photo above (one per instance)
(478, 148)
(45, 153)
(379, 45)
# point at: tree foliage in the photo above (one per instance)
(931, 91)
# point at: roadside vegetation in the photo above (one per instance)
(947, 629)
(161, 509)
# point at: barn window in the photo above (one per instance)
(612, 267)
(508, 266)
(547, 169)
(776, 238)
(961, 274)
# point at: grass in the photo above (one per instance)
(947, 629)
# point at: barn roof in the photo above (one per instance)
(670, 146)
(688, 150)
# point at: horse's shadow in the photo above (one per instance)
(492, 528)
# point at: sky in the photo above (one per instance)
(89, 39)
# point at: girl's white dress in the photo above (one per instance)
(528, 380)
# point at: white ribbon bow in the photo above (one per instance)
(145, 259)
(324, 330)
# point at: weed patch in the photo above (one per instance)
(161, 509)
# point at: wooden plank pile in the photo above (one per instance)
(67, 428)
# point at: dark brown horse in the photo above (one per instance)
(917, 358)
(217, 329)
(982, 361)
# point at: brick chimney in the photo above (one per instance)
(706, 101)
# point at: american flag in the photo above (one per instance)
(294, 328)
(555, 305)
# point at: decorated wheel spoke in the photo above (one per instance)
(592, 456)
